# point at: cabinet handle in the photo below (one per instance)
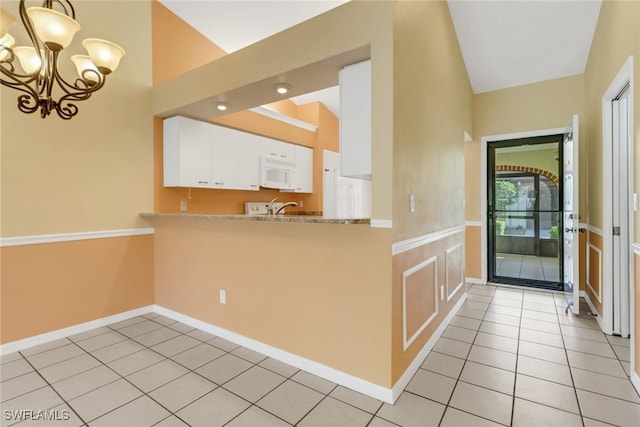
(203, 182)
(253, 185)
(274, 154)
(219, 183)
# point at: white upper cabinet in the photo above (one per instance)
(355, 120)
(187, 153)
(235, 160)
(304, 169)
(277, 150)
(203, 155)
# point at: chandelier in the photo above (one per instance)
(33, 70)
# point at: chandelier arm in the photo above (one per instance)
(28, 25)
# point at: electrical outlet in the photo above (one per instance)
(223, 296)
(183, 205)
(300, 204)
(442, 292)
(412, 203)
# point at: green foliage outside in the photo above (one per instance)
(553, 232)
(500, 227)
(505, 194)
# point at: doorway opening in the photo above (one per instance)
(524, 212)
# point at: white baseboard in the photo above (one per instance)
(388, 395)
(14, 346)
(635, 380)
(584, 295)
(474, 280)
(354, 383)
(401, 384)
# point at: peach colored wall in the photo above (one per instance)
(473, 246)
(402, 263)
(50, 286)
(320, 291)
(177, 47)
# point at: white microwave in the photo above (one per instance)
(279, 174)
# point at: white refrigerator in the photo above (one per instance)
(344, 197)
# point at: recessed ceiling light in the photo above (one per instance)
(221, 106)
(283, 88)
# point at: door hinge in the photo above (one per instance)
(616, 231)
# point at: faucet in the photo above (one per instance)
(270, 207)
(281, 208)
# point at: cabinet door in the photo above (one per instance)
(304, 169)
(355, 120)
(187, 153)
(235, 160)
(277, 149)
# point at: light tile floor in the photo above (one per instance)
(528, 267)
(509, 357)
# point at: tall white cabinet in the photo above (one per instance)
(187, 153)
(355, 120)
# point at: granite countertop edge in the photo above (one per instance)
(308, 219)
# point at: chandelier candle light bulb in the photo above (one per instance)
(43, 88)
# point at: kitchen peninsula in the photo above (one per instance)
(307, 219)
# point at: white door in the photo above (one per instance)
(620, 215)
(571, 222)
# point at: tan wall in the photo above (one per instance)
(93, 172)
(320, 291)
(538, 106)
(50, 286)
(617, 37)
(432, 110)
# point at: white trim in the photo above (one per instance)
(635, 381)
(284, 118)
(584, 295)
(446, 267)
(624, 75)
(595, 230)
(473, 223)
(405, 274)
(323, 371)
(598, 294)
(381, 223)
(475, 280)
(635, 247)
(71, 330)
(401, 384)
(69, 237)
(483, 182)
(416, 242)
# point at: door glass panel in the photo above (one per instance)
(525, 213)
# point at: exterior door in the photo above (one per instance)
(571, 219)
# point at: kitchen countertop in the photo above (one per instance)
(308, 219)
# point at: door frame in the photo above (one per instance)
(624, 77)
(484, 236)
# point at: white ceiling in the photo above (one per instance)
(516, 42)
(504, 43)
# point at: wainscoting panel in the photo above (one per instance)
(419, 299)
(455, 270)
